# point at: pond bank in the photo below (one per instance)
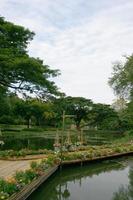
(29, 189)
(80, 161)
(102, 180)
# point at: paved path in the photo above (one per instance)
(8, 168)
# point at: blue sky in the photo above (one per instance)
(82, 38)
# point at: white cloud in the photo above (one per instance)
(82, 51)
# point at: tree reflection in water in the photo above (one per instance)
(64, 184)
(125, 193)
(61, 192)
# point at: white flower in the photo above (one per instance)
(1, 142)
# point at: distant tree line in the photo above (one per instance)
(84, 112)
(41, 102)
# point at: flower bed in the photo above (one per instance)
(22, 153)
(22, 178)
(25, 192)
(100, 151)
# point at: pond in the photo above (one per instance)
(108, 180)
(34, 143)
(18, 140)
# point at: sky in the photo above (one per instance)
(82, 38)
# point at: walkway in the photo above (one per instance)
(8, 168)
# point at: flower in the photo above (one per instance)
(11, 180)
(2, 142)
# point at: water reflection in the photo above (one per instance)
(34, 143)
(125, 193)
(92, 182)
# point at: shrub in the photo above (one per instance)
(118, 149)
(6, 119)
(23, 152)
(7, 188)
(26, 177)
(33, 165)
(4, 195)
(50, 161)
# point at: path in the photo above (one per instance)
(8, 168)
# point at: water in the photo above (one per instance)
(18, 139)
(33, 143)
(109, 180)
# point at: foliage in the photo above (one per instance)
(99, 151)
(7, 188)
(122, 78)
(122, 83)
(35, 110)
(34, 165)
(104, 117)
(77, 107)
(6, 119)
(22, 178)
(25, 177)
(23, 153)
(18, 71)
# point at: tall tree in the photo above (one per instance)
(122, 83)
(104, 117)
(19, 71)
(122, 78)
(79, 107)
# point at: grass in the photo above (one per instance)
(124, 139)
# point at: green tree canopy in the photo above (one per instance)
(79, 107)
(18, 70)
(104, 117)
(122, 78)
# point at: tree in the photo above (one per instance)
(122, 78)
(34, 111)
(79, 107)
(42, 111)
(5, 108)
(18, 71)
(104, 117)
(119, 104)
(23, 108)
(122, 83)
(127, 116)
(14, 38)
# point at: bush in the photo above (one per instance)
(12, 153)
(7, 188)
(33, 165)
(128, 133)
(50, 161)
(6, 119)
(23, 152)
(26, 177)
(22, 178)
